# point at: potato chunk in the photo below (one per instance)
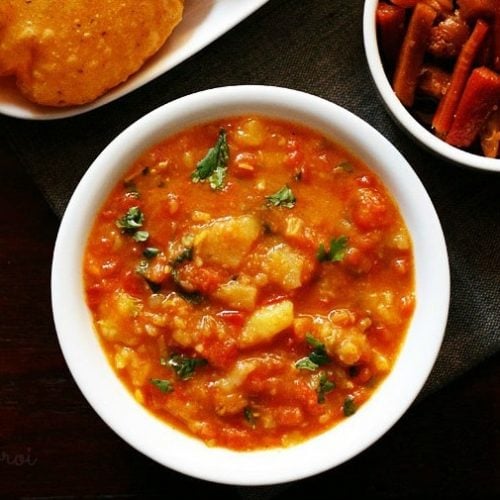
(237, 295)
(284, 266)
(383, 306)
(265, 323)
(226, 241)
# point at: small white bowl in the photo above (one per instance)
(174, 449)
(400, 114)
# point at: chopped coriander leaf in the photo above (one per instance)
(318, 355)
(349, 407)
(140, 236)
(337, 251)
(183, 366)
(216, 180)
(131, 221)
(306, 364)
(163, 385)
(314, 342)
(142, 269)
(150, 252)
(324, 387)
(346, 166)
(186, 254)
(213, 167)
(249, 416)
(282, 198)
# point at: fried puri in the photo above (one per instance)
(70, 53)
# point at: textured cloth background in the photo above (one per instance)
(315, 46)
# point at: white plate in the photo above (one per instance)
(203, 22)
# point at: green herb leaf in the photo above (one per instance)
(349, 407)
(249, 416)
(306, 364)
(140, 236)
(314, 342)
(324, 387)
(131, 221)
(183, 366)
(338, 248)
(346, 166)
(142, 269)
(282, 198)
(213, 167)
(163, 385)
(150, 252)
(318, 355)
(186, 254)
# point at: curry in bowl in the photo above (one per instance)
(251, 281)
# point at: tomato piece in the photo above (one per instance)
(370, 209)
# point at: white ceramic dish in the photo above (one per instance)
(401, 114)
(136, 425)
(203, 22)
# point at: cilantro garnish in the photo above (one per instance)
(282, 198)
(150, 252)
(131, 223)
(213, 167)
(349, 407)
(337, 251)
(317, 357)
(183, 366)
(325, 385)
(163, 385)
(249, 416)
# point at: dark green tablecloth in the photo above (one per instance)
(315, 46)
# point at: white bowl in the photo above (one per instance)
(401, 115)
(174, 449)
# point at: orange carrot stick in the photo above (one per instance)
(480, 98)
(475, 9)
(405, 3)
(411, 55)
(439, 5)
(391, 26)
(447, 106)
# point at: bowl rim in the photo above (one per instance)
(174, 449)
(400, 114)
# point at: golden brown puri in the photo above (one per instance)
(72, 52)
